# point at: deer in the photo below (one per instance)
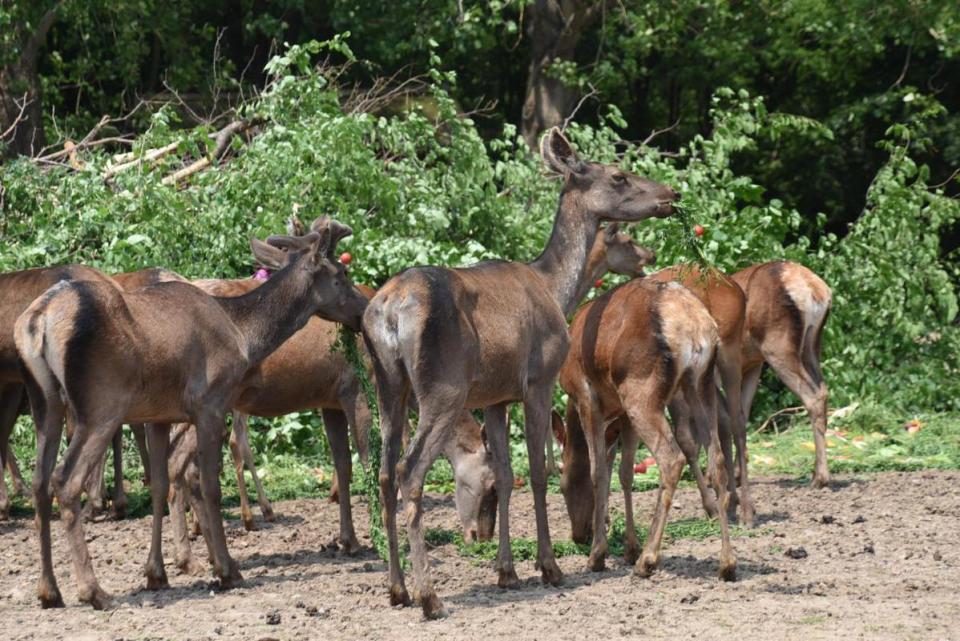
(106, 357)
(485, 336)
(19, 290)
(636, 350)
(727, 304)
(787, 308)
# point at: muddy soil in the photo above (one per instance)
(882, 562)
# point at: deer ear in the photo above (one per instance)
(267, 255)
(558, 155)
(559, 431)
(295, 226)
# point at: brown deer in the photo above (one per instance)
(634, 351)
(17, 291)
(105, 357)
(486, 336)
(613, 251)
(787, 307)
(727, 305)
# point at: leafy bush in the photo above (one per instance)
(421, 188)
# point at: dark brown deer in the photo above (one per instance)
(17, 291)
(787, 307)
(727, 304)
(486, 336)
(634, 351)
(105, 357)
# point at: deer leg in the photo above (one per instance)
(791, 371)
(728, 364)
(536, 409)
(239, 423)
(140, 436)
(497, 432)
(748, 388)
(241, 432)
(10, 397)
(392, 424)
(119, 509)
(94, 485)
(158, 442)
(629, 440)
(648, 420)
(335, 425)
(433, 431)
(209, 436)
(686, 439)
(595, 434)
(86, 450)
(551, 458)
(705, 423)
(48, 414)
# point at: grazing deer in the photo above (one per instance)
(18, 290)
(105, 357)
(787, 307)
(727, 305)
(486, 336)
(634, 351)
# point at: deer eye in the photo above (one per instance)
(619, 179)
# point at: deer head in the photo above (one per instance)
(575, 483)
(623, 255)
(605, 191)
(331, 292)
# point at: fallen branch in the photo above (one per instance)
(222, 139)
(772, 418)
(149, 156)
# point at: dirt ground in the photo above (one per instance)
(883, 562)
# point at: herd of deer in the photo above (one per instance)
(94, 352)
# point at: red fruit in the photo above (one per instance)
(649, 461)
(698, 230)
(345, 258)
(639, 468)
(519, 482)
(598, 283)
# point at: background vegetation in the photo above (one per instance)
(828, 133)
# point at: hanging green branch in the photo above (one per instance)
(369, 476)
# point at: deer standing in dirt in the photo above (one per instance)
(17, 291)
(787, 307)
(105, 357)
(486, 336)
(727, 304)
(634, 351)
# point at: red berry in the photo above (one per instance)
(345, 258)
(698, 230)
(639, 468)
(598, 283)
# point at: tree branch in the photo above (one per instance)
(16, 121)
(40, 34)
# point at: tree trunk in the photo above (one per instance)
(555, 29)
(20, 80)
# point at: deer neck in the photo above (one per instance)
(273, 312)
(563, 263)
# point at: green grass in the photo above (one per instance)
(525, 549)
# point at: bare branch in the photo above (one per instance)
(16, 121)
(222, 139)
(656, 132)
(36, 40)
(566, 121)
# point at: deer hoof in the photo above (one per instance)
(728, 571)
(157, 580)
(349, 545)
(551, 573)
(118, 512)
(233, 579)
(99, 599)
(399, 595)
(507, 578)
(250, 525)
(597, 562)
(51, 599)
(432, 608)
(820, 481)
(268, 515)
(646, 567)
(190, 566)
(631, 552)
